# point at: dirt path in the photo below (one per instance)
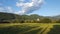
(45, 29)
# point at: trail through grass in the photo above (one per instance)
(26, 28)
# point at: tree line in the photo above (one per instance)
(34, 18)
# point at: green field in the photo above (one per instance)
(30, 28)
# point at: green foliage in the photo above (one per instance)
(30, 28)
(46, 20)
(34, 18)
(58, 21)
(55, 30)
(14, 29)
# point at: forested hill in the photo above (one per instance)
(8, 17)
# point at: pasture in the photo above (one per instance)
(30, 28)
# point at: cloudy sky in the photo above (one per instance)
(40, 7)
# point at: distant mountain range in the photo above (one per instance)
(9, 16)
(58, 16)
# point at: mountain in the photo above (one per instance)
(6, 16)
(14, 17)
(57, 17)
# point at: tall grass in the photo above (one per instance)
(29, 28)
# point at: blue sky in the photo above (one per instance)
(49, 8)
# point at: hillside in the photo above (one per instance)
(20, 18)
(6, 16)
(10, 17)
(57, 17)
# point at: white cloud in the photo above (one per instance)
(6, 9)
(29, 7)
(9, 9)
(2, 9)
(21, 0)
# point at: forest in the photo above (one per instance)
(33, 18)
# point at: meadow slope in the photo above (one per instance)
(30, 28)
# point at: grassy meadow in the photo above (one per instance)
(30, 28)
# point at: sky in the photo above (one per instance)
(44, 7)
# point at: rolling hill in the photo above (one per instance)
(14, 17)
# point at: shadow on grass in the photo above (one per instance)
(55, 30)
(16, 29)
(33, 31)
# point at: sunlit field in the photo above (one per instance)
(30, 28)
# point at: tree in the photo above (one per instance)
(45, 20)
(58, 21)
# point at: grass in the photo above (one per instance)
(30, 28)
